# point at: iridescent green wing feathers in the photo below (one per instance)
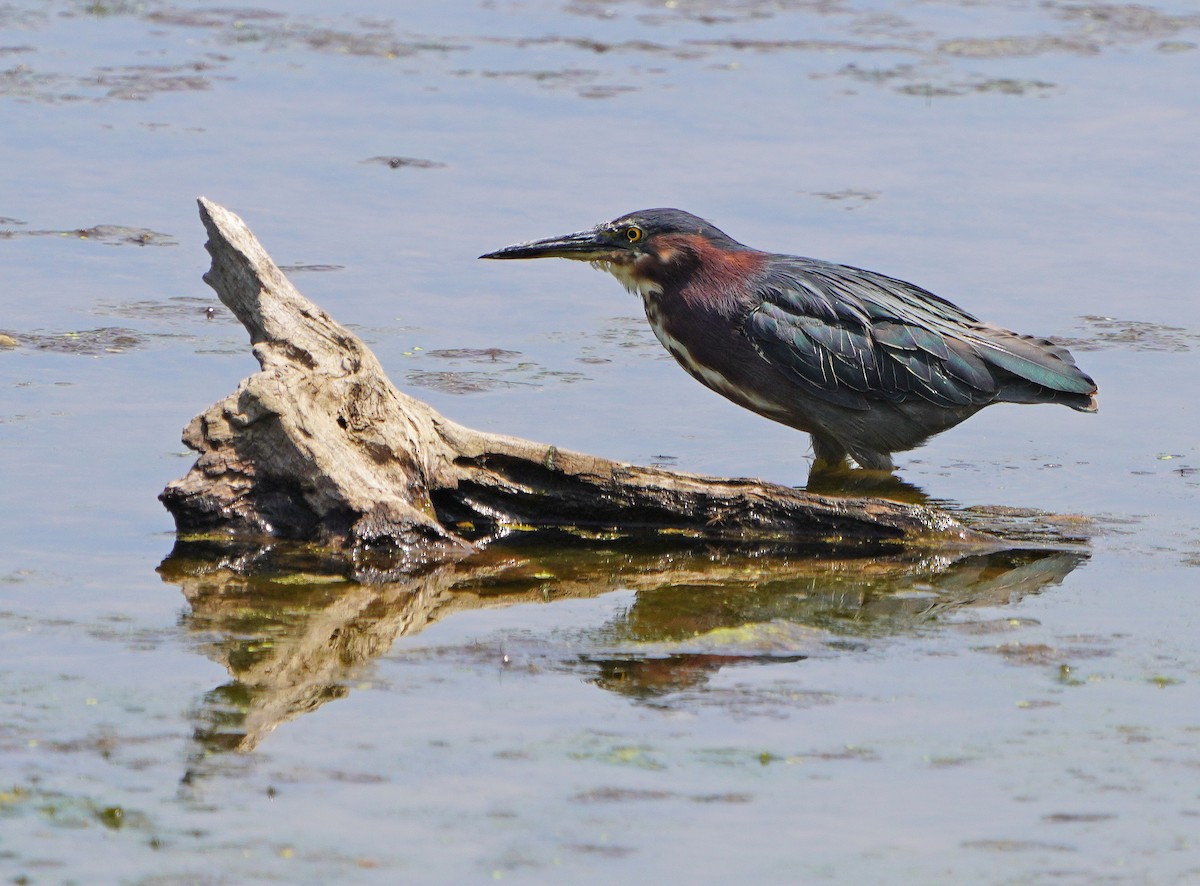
(853, 337)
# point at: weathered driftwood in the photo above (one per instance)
(319, 445)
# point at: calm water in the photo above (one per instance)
(610, 714)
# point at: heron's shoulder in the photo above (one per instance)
(877, 297)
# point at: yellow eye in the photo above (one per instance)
(634, 233)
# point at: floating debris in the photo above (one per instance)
(1112, 333)
(111, 235)
(405, 162)
(314, 268)
(87, 342)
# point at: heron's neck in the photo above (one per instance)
(628, 277)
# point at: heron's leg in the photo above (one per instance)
(830, 457)
(873, 460)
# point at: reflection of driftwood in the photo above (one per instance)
(320, 445)
(294, 634)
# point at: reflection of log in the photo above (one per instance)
(319, 445)
(294, 631)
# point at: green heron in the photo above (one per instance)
(866, 364)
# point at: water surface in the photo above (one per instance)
(589, 715)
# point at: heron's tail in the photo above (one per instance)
(1034, 370)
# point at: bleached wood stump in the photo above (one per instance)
(320, 446)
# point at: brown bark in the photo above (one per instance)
(320, 446)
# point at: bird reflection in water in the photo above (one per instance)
(295, 632)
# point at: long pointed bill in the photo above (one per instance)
(583, 246)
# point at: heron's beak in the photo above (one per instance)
(591, 245)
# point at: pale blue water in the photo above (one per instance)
(1036, 180)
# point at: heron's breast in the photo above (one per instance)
(715, 367)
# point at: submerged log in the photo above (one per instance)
(320, 446)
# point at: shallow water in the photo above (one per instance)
(611, 712)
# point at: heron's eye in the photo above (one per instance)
(634, 233)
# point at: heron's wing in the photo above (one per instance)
(853, 337)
